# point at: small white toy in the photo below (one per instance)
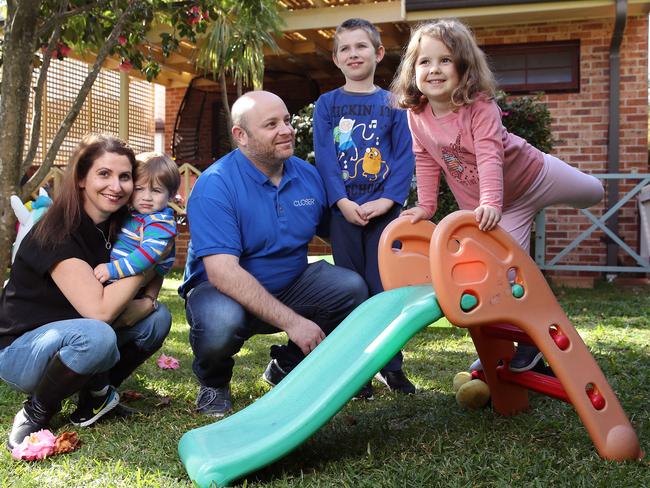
(28, 215)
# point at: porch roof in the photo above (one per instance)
(306, 42)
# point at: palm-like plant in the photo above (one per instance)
(233, 46)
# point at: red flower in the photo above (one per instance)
(125, 66)
(121, 40)
(64, 49)
(194, 15)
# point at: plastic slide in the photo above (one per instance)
(219, 453)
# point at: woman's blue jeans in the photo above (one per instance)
(219, 325)
(86, 346)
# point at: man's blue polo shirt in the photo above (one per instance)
(235, 209)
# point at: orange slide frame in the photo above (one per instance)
(485, 278)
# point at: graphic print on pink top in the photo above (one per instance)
(452, 158)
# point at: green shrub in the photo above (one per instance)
(529, 118)
(302, 122)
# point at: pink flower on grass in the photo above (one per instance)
(167, 362)
(35, 446)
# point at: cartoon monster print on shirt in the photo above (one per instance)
(465, 174)
(371, 165)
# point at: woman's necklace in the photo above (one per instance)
(107, 244)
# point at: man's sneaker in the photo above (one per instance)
(274, 373)
(214, 402)
(526, 358)
(91, 408)
(365, 393)
(396, 381)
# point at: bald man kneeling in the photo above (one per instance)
(251, 215)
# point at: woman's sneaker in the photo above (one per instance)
(92, 406)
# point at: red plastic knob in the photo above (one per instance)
(561, 340)
(597, 400)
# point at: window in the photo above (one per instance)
(547, 66)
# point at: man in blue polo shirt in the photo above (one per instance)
(251, 215)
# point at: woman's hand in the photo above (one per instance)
(487, 217)
(134, 312)
(416, 214)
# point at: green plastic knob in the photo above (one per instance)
(468, 302)
(517, 291)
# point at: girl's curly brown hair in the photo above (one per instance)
(475, 76)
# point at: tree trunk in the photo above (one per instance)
(18, 50)
(19, 45)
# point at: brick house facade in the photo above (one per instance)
(580, 125)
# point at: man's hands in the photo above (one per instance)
(305, 334)
(227, 276)
(487, 217)
(101, 273)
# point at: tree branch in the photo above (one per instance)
(38, 96)
(62, 16)
(65, 126)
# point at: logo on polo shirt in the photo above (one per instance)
(304, 202)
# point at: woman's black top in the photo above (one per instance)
(31, 298)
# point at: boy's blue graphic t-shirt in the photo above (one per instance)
(362, 146)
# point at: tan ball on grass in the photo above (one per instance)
(460, 379)
(473, 395)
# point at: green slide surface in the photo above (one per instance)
(281, 420)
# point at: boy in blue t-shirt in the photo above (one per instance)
(363, 153)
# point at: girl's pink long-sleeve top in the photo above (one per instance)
(483, 163)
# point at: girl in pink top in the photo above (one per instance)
(446, 85)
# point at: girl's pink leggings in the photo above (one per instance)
(556, 183)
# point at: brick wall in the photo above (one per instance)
(173, 100)
(580, 122)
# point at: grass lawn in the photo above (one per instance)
(420, 441)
